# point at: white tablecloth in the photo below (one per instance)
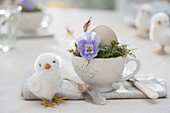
(14, 65)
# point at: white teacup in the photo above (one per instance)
(103, 72)
(30, 21)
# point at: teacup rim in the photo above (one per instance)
(100, 58)
(32, 12)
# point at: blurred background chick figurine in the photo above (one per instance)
(160, 31)
(142, 20)
(47, 79)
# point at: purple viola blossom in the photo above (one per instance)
(28, 4)
(89, 35)
(88, 45)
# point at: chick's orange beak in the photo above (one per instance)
(47, 66)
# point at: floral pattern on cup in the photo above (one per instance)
(86, 70)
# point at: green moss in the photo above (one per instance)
(75, 52)
(116, 49)
(36, 9)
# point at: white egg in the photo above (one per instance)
(106, 33)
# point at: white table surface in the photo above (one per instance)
(14, 65)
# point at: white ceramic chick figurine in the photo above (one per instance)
(142, 20)
(160, 31)
(46, 80)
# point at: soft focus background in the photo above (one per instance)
(51, 36)
(89, 4)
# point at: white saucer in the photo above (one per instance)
(43, 32)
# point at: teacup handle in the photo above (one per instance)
(128, 76)
(47, 19)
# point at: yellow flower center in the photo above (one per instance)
(89, 49)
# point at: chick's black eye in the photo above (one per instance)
(54, 61)
(40, 65)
